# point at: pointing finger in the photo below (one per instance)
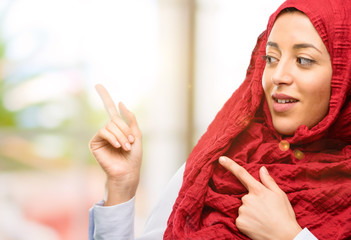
(107, 100)
(249, 182)
(267, 180)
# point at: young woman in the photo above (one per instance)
(275, 160)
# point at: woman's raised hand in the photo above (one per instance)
(118, 149)
(266, 212)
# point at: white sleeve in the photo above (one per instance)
(112, 222)
(117, 222)
(305, 234)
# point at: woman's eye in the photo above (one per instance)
(270, 59)
(305, 61)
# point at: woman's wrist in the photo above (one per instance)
(292, 231)
(296, 231)
(117, 193)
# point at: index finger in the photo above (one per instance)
(107, 100)
(249, 182)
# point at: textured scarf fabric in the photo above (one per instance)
(314, 171)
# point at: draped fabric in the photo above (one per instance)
(318, 184)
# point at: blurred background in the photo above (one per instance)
(172, 62)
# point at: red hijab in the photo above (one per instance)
(318, 185)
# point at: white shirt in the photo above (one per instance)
(117, 222)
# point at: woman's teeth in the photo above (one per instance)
(286, 100)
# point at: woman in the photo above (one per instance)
(287, 144)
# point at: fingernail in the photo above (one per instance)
(264, 170)
(117, 144)
(131, 138)
(128, 147)
(222, 160)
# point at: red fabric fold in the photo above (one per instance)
(318, 186)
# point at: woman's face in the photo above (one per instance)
(297, 76)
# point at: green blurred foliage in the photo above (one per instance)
(7, 118)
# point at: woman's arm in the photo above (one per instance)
(117, 222)
(117, 147)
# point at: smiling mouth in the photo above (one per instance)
(283, 103)
(283, 98)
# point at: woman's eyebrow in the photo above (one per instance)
(296, 46)
(306, 45)
(272, 44)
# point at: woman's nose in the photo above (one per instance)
(282, 74)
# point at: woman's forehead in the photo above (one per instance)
(294, 28)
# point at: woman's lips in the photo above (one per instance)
(283, 102)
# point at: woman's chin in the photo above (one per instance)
(285, 129)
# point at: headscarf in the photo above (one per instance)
(313, 167)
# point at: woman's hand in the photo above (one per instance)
(118, 149)
(266, 212)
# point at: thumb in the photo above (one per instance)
(267, 180)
